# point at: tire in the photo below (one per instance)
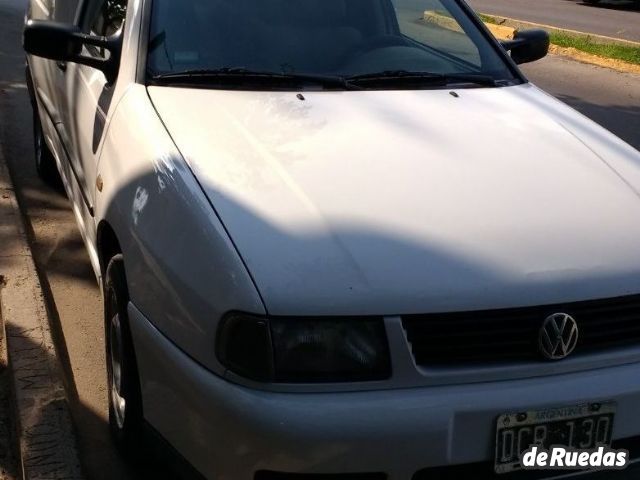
(45, 161)
(593, 2)
(123, 383)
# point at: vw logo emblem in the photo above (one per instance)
(558, 336)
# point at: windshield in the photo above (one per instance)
(371, 43)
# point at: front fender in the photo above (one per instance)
(182, 268)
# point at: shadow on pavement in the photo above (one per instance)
(627, 123)
(630, 5)
(60, 258)
(46, 454)
(8, 453)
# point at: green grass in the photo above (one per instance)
(587, 44)
(487, 18)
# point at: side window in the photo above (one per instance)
(65, 10)
(103, 18)
(109, 18)
(435, 25)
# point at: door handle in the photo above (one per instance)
(62, 66)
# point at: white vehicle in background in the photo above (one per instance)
(336, 239)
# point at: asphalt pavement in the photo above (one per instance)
(612, 18)
(611, 98)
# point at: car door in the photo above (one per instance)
(88, 97)
(48, 75)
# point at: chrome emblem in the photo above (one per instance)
(558, 336)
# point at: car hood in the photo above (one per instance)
(354, 203)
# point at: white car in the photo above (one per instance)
(338, 237)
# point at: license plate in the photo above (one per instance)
(584, 426)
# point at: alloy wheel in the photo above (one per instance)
(119, 403)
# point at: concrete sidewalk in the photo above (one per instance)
(72, 296)
(45, 437)
(8, 442)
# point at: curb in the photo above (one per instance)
(8, 444)
(46, 439)
(512, 25)
(435, 18)
(584, 57)
(522, 24)
(508, 28)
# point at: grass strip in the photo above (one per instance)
(587, 44)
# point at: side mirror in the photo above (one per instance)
(64, 43)
(528, 46)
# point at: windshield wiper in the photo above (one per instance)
(408, 77)
(355, 82)
(228, 74)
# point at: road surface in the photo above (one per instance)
(613, 18)
(74, 299)
(611, 99)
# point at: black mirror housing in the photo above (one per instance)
(51, 40)
(528, 46)
(64, 43)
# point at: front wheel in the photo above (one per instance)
(125, 399)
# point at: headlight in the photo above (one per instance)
(301, 350)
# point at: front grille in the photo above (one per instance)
(511, 335)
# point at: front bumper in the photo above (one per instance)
(230, 432)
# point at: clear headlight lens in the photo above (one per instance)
(301, 350)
